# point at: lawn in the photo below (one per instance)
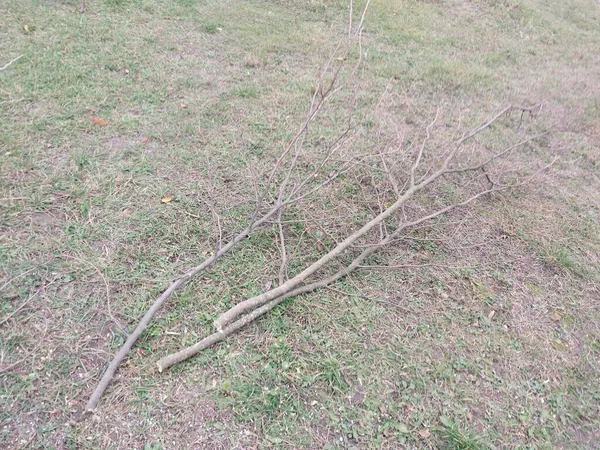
(114, 105)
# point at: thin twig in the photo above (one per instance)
(283, 267)
(25, 303)
(16, 277)
(10, 62)
(416, 266)
(17, 100)
(371, 299)
(39, 341)
(391, 177)
(497, 155)
(422, 148)
(107, 287)
(211, 205)
(190, 214)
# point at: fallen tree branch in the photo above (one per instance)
(322, 95)
(232, 327)
(247, 305)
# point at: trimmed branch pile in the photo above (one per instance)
(472, 171)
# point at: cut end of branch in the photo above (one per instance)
(218, 325)
(90, 408)
(160, 367)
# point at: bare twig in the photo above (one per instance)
(4, 286)
(415, 266)
(10, 366)
(212, 207)
(283, 268)
(366, 297)
(5, 66)
(27, 356)
(107, 287)
(16, 100)
(25, 303)
(496, 155)
(422, 148)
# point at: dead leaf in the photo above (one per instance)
(491, 314)
(99, 121)
(425, 433)
(184, 105)
(145, 140)
(167, 199)
(320, 247)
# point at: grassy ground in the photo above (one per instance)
(501, 349)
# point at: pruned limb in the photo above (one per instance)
(247, 305)
(232, 327)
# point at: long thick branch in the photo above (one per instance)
(219, 336)
(259, 300)
(292, 283)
